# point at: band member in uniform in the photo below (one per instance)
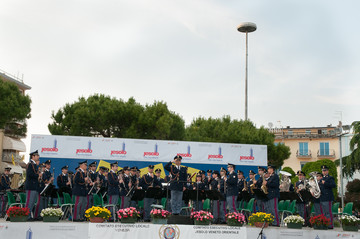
(260, 202)
(80, 192)
(240, 184)
(272, 184)
(300, 185)
(177, 183)
(316, 201)
(63, 182)
(45, 179)
(134, 183)
(199, 186)
(208, 178)
(32, 182)
(158, 175)
(113, 188)
(125, 185)
(327, 183)
(102, 175)
(4, 186)
(232, 189)
(222, 189)
(91, 186)
(148, 181)
(215, 203)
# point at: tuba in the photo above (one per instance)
(313, 185)
(285, 181)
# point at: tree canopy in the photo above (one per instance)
(237, 131)
(14, 109)
(101, 115)
(351, 163)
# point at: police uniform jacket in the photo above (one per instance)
(199, 186)
(231, 185)
(113, 184)
(93, 176)
(178, 176)
(45, 179)
(79, 187)
(223, 190)
(297, 184)
(240, 184)
(214, 184)
(326, 188)
(147, 181)
(124, 187)
(273, 186)
(62, 180)
(32, 176)
(4, 182)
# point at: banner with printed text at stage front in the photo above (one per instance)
(74, 147)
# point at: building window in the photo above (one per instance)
(302, 164)
(308, 131)
(324, 148)
(303, 148)
(290, 132)
(324, 131)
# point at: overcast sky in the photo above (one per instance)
(304, 57)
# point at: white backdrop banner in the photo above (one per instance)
(55, 146)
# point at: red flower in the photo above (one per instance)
(17, 211)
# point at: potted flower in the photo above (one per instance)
(235, 219)
(201, 217)
(51, 214)
(159, 216)
(294, 222)
(128, 215)
(18, 214)
(258, 219)
(97, 214)
(320, 222)
(350, 223)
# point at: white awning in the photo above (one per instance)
(14, 168)
(14, 144)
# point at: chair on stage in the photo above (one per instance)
(11, 202)
(206, 205)
(109, 206)
(348, 209)
(289, 211)
(67, 206)
(22, 199)
(335, 209)
(98, 202)
(249, 208)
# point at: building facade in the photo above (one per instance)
(10, 144)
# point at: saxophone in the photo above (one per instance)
(253, 186)
(245, 186)
(263, 187)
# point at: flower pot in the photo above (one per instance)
(159, 220)
(96, 219)
(128, 220)
(51, 219)
(294, 225)
(196, 222)
(18, 219)
(350, 228)
(234, 223)
(261, 224)
(320, 227)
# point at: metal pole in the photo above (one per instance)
(246, 79)
(341, 177)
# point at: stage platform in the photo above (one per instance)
(85, 230)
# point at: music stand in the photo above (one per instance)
(245, 196)
(138, 195)
(152, 192)
(259, 194)
(214, 195)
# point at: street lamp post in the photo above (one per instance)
(246, 27)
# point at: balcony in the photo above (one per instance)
(304, 155)
(326, 154)
(6, 157)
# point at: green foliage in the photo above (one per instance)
(353, 193)
(351, 163)
(14, 109)
(226, 130)
(100, 115)
(316, 167)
